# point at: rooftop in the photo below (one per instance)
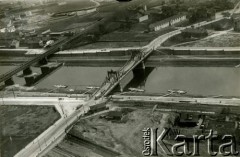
(166, 20)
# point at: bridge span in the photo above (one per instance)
(59, 129)
(42, 59)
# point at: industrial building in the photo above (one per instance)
(139, 17)
(167, 22)
(142, 18)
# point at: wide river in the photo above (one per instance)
(213, 81)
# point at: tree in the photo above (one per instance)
(226, 111)
(168, 11)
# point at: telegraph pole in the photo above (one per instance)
(13, 93)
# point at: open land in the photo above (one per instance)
(19, 125)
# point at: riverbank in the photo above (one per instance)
(154, 60)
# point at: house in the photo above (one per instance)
(167, 22)
(15, 44)
(188, 120)
(87, 11)
(142, 18)
(139, 17)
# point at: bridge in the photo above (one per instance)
(136, 64)
(7, 78)
(57, 132)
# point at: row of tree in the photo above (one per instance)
(202, 11)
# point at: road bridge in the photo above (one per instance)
(58, 130)
(136, 62)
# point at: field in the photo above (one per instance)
(19, 125)
(225, 40)
(126, 36)
(105, 45)
(123, 136)
(70, 5)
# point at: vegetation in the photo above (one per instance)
(208, 9)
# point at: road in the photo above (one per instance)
(201, 48)
(65, 106)
(208, 100)
(88, 51)
(57, 131)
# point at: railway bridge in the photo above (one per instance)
(42, 60)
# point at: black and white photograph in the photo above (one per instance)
(119, 78)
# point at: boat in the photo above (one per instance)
(136, 89)
(71, 90)
(171, 91)
(60, 86)
(177, 91)
(237, 66)
(92, 87)
(181, 92)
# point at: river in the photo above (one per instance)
(195, 80)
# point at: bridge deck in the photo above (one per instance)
(48, 52)
(111, 83)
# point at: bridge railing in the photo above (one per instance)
(109, 83)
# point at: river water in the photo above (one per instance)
(195, 80)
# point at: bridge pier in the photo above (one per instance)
(140, 75)
(45, 69)
(43, 61)
(139, 70)
(29, 80)
(9, 82)
(27, 71)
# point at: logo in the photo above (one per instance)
(152, 142)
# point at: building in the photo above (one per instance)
(15, 44)
(113, 115)
(188, 120)
(236, 24)
(84, 12)
(167, 22)
(139, 17)
(142, 18)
